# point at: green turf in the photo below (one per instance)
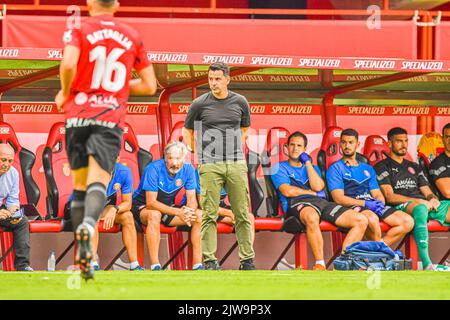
(225, 285)
(27, 64)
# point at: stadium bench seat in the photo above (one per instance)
(375, 149)
(29, 192)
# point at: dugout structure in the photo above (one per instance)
(307, 74)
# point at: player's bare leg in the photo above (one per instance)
(356, 222)
(129, 236)
(401, 224)
(373, 231)
(311, 220)
(195, 235)
(152, 218)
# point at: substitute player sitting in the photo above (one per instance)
(405, 186)
(301, 189)
(154, 201)
(354, 184)
(95, 73)
(121, 182)
(440, 167)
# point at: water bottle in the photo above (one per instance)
(51, 264)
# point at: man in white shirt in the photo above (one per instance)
(9, 205)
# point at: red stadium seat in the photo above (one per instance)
(57, 171)
(330, 151)
(29, 191)
(255, 190)
(23, 162)
(375, 149)
(132, 155)
(275, 151)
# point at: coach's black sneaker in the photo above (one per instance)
(212, 265)
(247, 265)
(84, 252)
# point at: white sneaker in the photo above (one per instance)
(437, 267)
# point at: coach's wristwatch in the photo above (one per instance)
(117, 208)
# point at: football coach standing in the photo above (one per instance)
(221, 120)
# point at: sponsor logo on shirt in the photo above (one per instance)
(96, 101)
(395, 170)
(405, 184)
(79, 123)
(364, 196)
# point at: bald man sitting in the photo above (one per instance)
(9, 205)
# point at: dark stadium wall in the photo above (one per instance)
(278, 4)
(148, 3)
(137, 3)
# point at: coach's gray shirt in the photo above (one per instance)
(218, 123)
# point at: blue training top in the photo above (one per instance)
(284, 173)
(156, 178)
(122, 179)
(356, 181)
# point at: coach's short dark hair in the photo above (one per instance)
(447, 126)
(395, 131)
(298, 134)
(350, 133)
(106, 3)
(220, 66)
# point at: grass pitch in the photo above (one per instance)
(223, 285)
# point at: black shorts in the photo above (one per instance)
(387, 211)
(136, 209)
(328, 211)
(102, 143)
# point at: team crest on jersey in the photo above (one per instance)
(367, 173)
(117, 186)
(411, 170)
(178, 183)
